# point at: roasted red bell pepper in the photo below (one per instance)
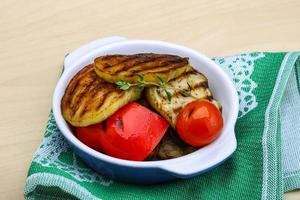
(131, 133)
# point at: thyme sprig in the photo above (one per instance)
(188, 93)
(141, 84)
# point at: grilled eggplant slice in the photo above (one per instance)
(89, 99)
(186, 88)
(171, 146)
(113, 68)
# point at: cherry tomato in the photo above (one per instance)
(90, 135)
(131, 133)
(199, 123)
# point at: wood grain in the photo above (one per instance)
(35, 36)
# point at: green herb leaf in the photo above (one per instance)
(123, 85)
(121, 82)
(184, 94)
(141, 79)
(169, 95)
(162, 80)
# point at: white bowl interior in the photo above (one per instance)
(219, 83)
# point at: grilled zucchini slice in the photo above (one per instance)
(113, 68)
(186, 88)
(89, 99)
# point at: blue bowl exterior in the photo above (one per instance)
(133, 175)
(124, 173)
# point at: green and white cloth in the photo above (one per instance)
(265, 164)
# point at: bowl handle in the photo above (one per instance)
(84, 49)
(195, 165)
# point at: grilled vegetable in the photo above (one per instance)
(184, 89)
(129, 68)
(171, 146)
(199, 123)
(90, 136)
(89, 99)
(124, 135)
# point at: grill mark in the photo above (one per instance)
(94, 92)
(88, 93)
(93, 83)
(154, 59)
(142, 59)
(203, 85)
(159, 64)
(83, 111)
(120, 94)
(186, 74)
(178, 93)
(135, 63)
(82, 73)
(73, 86)
(118, 63)
(102, 100)
(109, 60)
(164, 71)
(77, 78)
(126, 58)
(141, 62)
(89, 97)
(104, 65)
(109, 89)
(78, 98)
(89, 100)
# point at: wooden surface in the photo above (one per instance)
(35, 36)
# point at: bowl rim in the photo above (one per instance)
(229, 126)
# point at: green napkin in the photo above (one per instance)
(265, 164)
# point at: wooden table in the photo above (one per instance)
(35, 36)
